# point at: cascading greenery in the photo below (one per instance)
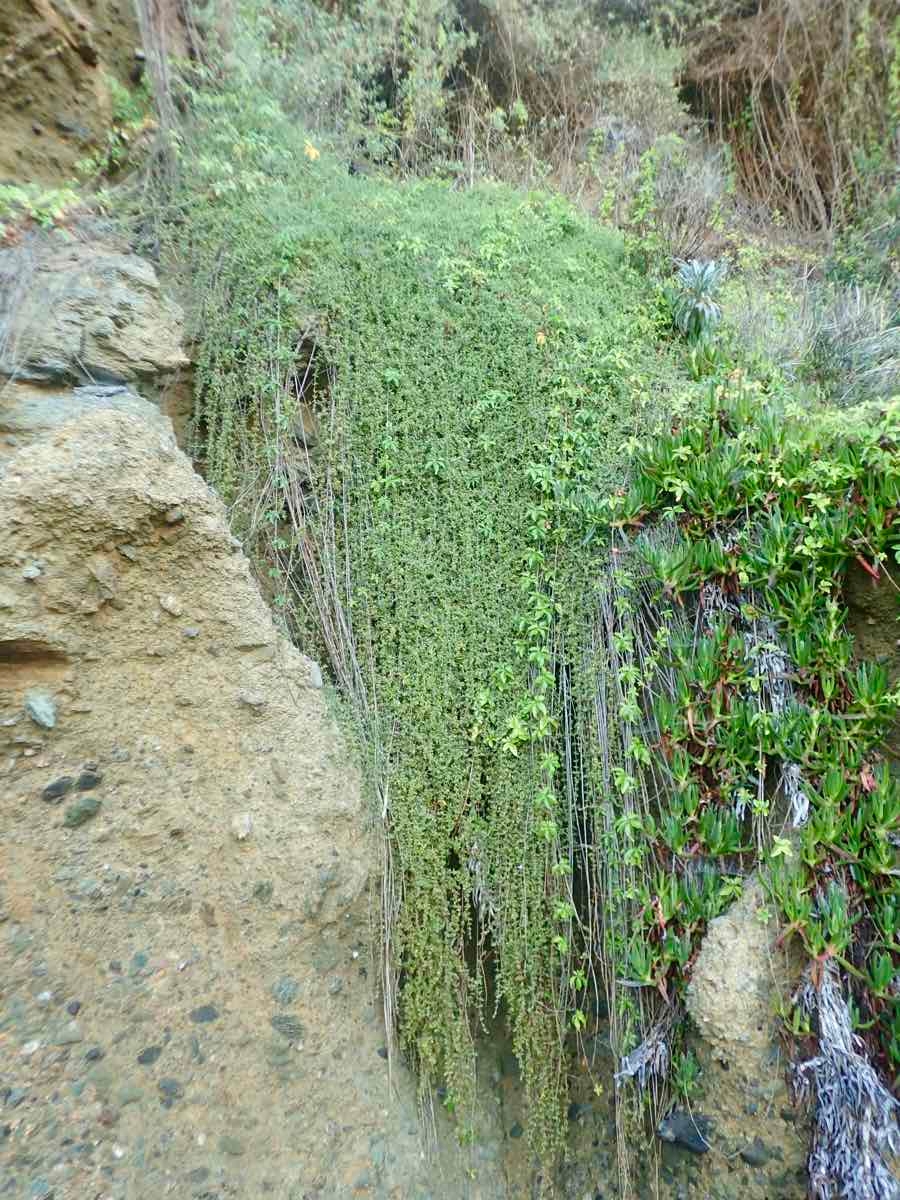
(573, 735)
(477, 360)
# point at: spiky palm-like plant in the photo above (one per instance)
(695, 311)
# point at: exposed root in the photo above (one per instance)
(856, 1117)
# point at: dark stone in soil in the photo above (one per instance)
(88, 780)
(204, 1014)
(73, 1008)
(55, 791)
(149, 1055)
(81, 811)
(289, 1027)
(170, 1090)
(756, 1154)
(94, 1054)
(683, 1129)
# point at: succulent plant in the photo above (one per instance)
(695, 310)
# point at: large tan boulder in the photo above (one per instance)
(186, 983)
(74, 311)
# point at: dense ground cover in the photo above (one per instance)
(476, 362)
(442, 415)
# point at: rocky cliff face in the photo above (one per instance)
(83, 324)
(186, 978)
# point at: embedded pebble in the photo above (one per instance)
(170, 1090)
(171, 604)
(69, 1034)
(58, 788)
(241, 826)
(41, 707)
(81, 811)
(289, 1027)
(286, 990)
(204, 1014)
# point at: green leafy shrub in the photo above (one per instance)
(46, 207)
(475, 361)
(131, 118)
(770, 506)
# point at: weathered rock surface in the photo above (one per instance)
(183, 1010)
(84, 312)
(737, 979)
(28, 413)
(56, 58)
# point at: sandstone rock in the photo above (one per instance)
(140, 901)
(91, 314)
(735, 977)
(28, 412)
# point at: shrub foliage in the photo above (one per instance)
(475, 364)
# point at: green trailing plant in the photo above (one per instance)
(472, 385)
(587, 716)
